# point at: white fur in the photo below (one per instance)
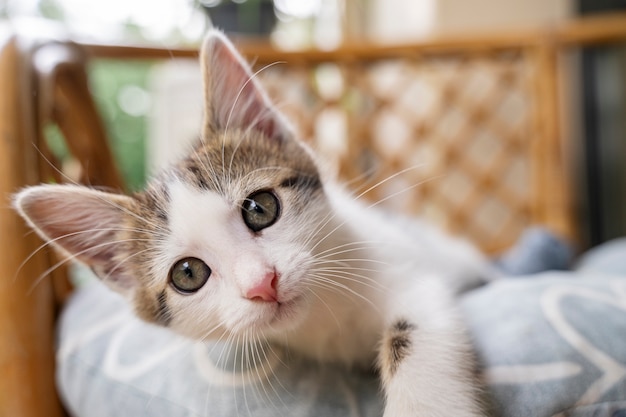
(207, 226)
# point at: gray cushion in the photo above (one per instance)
(547, 344)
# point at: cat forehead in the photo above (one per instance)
(189, 207)
(236, 163)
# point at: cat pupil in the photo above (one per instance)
(257, 207)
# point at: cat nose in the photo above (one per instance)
(265, 289)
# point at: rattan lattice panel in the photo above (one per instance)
(448, 138)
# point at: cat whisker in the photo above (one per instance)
(243, 87)
(266, 113)
(52, 243)
(263, 363)
(270, 168)
(328, 234)
(364, 260)
(407, 189)
(235, 104)
(378, 202)
(321, 279)
(389, 178)
(355, 278)
(261, 169)
(245, 366)
(256, 361)
(245, 136)
(54, 167)
(329, 285)
(338, 266)
(205, 164)
(357, 246)
(251, 357)
(208, 333)
(320, 225)
(235, 346)
(257, 372)
(342, 267)
(364, 177)
(67, 259)
(330, 310)
(119, 264)
(276, 377)
(142, 220)
(226, 345)
(359, 279)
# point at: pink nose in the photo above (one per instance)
(265, 289)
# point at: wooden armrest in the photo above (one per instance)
(27, 303)
(41, 82)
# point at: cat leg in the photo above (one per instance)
(425, 359)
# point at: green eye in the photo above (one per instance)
(189, 275)
(260, 210)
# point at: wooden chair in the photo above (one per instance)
(41, 82)
(44, 81)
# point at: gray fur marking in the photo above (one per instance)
(400, 343)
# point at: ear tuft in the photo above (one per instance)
(233, 97)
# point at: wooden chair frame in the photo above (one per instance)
(44, 81)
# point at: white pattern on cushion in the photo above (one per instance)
(612, 370)
(552, 343)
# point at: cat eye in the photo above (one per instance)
(260, 210)
(189, 275)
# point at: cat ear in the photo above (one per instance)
(233, 97)
(81, 222)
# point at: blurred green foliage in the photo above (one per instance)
(126, 132)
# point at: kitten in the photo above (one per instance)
(245, 236)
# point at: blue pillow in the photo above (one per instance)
(608, 258)
(549, 344)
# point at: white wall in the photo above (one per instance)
(176, 116)
(461, 15)
(400, 20)
(405, 20)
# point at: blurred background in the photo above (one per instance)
(135, 98)
(498, 116)
(294, 24)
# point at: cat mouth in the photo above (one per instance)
(280, 314)
(288, 308)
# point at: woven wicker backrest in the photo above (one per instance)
(451, 137)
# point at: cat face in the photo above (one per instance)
(220, 243)
(232, 243)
